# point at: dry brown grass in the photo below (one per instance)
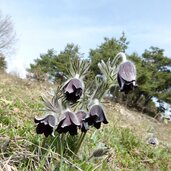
(141, 124)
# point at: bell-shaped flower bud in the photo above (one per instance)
(127, 76)
(96, 115)
(81, 115)
(73, 89)
(68, 123)
(46, 125)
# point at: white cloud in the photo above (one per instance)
(17, 66)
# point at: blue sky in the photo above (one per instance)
(41, 25)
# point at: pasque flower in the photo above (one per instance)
(68, 123)
(127, 76)
(81, 115)
(46, 125)
(73, 89)
(96, 115)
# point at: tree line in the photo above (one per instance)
(153, 71)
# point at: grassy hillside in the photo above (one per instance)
(126, 135)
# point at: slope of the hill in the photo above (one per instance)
(126, 135)
(141, 124)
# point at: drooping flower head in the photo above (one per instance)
(46, 125)
(81, 115)
(73, 89)
(96, 115)
(68, 123)
(127, 76)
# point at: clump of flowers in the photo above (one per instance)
(76, 107)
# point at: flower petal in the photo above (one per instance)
(61, 129)
(126, 86)
(51, 120)
(120, 82)
(72, 130)
(81, 115)
(96, 116)
(73, 89)
(37, 120)
(74, 118)
(69, 118)
(97, 125)
(127, 71)
(91, 119)
(40, 128)
(101, 114)
(84, 126)
(78, 92)
(77, 83)
(48, 130)
(66, 122)
(96, 110)
(72, 85)
(69, 88)
(46, 125)
(48, 119)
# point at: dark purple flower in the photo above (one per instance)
(46, 125)
(81, 115)
(73, 89)
(127, 76)
(96, 115)
(68, 123)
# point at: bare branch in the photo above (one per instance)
(7, 34)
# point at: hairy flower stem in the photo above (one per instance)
(43, 142)
(61, 138)
(122, 55)
(80, 142)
